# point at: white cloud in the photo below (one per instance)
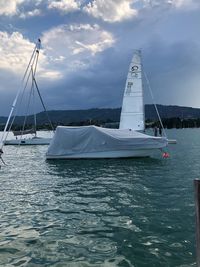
(111, 10)
(173, 3)
(53, 75)
(64, 48)
(32, 13)
(15, 52)
(184, 3)
(72, 47)
(9, 7)
(64, 5)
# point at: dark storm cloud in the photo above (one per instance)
(170, 46)
(99, 86)
(170, 43)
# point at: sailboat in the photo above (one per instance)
(97, 142)
(132, 113)
(32, 136)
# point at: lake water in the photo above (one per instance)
(130, 212)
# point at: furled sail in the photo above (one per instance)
(29, 131)
(132, 114)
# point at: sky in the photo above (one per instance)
(87, 46)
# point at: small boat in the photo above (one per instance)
(96, 142)
(29, 80)
(172, 141)
(29, 141)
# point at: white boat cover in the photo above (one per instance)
(76, 140)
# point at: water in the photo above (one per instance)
(130, 212)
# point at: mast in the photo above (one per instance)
(31, 63)
(33, 71)
(9, 117)
(132, 114)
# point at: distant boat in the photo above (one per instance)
(97, 142)
(29, 79)
(172, 141)
(35, 140)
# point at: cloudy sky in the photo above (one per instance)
(87, 46)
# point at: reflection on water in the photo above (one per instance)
(129, 212)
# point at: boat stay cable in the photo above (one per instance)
(27, 109)
(37, 45)
(43, 104)
(27, 77)
(30, 72)
(154, 103)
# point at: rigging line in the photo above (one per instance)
(37, 56)
(6, 126)
(30, 66)
(28, 105)
(35, 48)
(9, 117)
(149, 86)
(29, 63)
(13, 119)
(33, 57)
(33, 70)
(43, 104)
(27, 109)
(32, 60)
(8, 120)
(17, 96)
(21, 99)
(33, 77)
(34, 113)
(27, 80)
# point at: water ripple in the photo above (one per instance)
(131, 212)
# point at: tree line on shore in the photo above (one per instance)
(178, 123)
(172, 117)
(168, 123)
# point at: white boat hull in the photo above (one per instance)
(92, 142)
(29, 141)
(107, 154)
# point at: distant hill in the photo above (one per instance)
(67, 117)
(71, 116)
(167, 112)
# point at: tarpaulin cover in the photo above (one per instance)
(86, 139)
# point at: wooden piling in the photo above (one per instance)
(197, 209)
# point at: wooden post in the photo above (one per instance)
(197, 209)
